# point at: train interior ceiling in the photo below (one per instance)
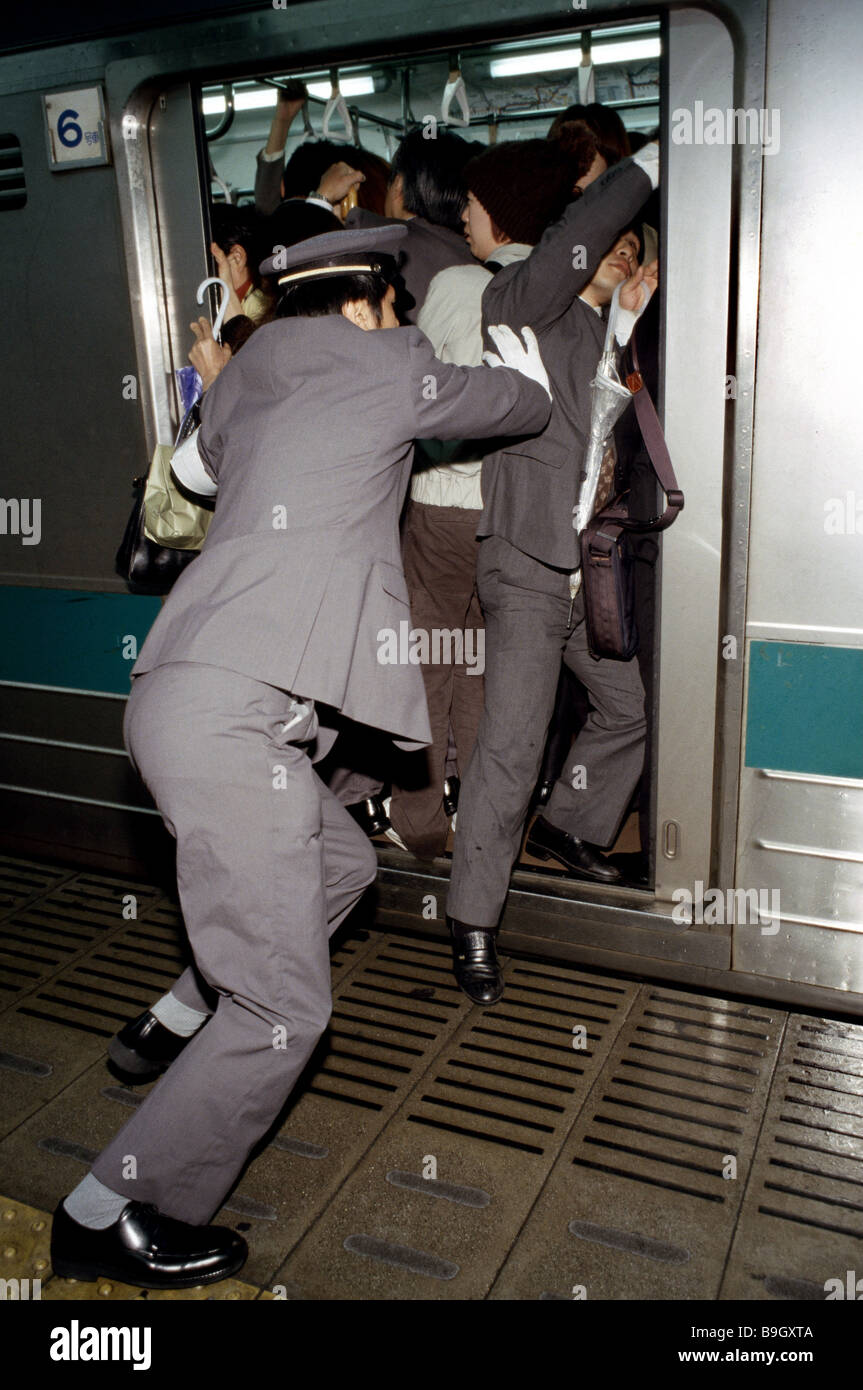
(513, 91)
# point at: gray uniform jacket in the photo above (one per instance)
(309, 434)
(426, 249)
(530, 488)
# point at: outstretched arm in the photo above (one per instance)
(271, 160)
(448, 402)
(540, 289)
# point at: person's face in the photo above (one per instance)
(617, 266)
(598, 167)
(478, 229)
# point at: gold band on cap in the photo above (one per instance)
(327, 270)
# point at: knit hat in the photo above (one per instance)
(523, 186)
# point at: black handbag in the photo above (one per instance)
(607, 561)
(149, 568)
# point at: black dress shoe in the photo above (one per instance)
(143, 1049)
(582, 859)
(145, 1248)
(542, 793)
(370, 815)
(475, 962)
(451, 789)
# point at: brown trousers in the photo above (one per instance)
(439, 550)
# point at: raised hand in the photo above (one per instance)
(207, 356)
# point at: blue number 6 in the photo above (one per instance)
(69, 131)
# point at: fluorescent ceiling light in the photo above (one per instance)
(243, 101)
(261, 97)
(350, 87)
(633, 50)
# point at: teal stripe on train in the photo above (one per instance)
(805, 709)
(71, 637)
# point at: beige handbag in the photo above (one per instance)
(171, 518)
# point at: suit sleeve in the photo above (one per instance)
(217, 407)
(268, 184)
(448, 402)
(540, 289)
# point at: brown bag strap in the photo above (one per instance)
(657, 449)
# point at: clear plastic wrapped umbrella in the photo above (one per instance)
(609, 400)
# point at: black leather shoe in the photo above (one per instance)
(582, 859)
(451, 789)
(145, 1248)
(143, 1049)
(475, 962)
(542, 793)
(370, 815)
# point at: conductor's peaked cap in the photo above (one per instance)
(349, 252)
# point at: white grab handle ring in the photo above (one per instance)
(455, 88)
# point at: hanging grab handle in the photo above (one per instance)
(586, 85)
(223, 302)
(455, 88)
(308, 128)
(337, 103)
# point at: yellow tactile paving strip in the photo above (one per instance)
(25, 1269)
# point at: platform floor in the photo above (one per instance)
(589, 1136)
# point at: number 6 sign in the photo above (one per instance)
(75, 128)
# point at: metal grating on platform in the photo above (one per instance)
(588, 1136)
(394, 1001)
(643, 1200)
(38, 940)
(443, 1191)
(23, 881)
(802, 1221)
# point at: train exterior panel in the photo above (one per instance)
(758, 742)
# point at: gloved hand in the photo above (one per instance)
(513, 353)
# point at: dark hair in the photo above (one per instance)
(307, 166)
(294, 221)
(431, 172)
(314, 299)
(612, 141)
(233, 226)
(580, 144)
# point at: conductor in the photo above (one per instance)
(308, 437)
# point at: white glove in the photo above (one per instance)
(513, 353)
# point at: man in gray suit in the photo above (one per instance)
(533, 616)
(308, 435)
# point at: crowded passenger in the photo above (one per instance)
(513, 191)
(534, 614)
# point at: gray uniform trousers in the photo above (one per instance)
(530, 624)
(268, 864)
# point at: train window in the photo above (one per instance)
(513, 91)
(13, 193)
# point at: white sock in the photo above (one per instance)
(177, 1017)
(93, 1204)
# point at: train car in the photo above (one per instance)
(112, 148)
(757, 743)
